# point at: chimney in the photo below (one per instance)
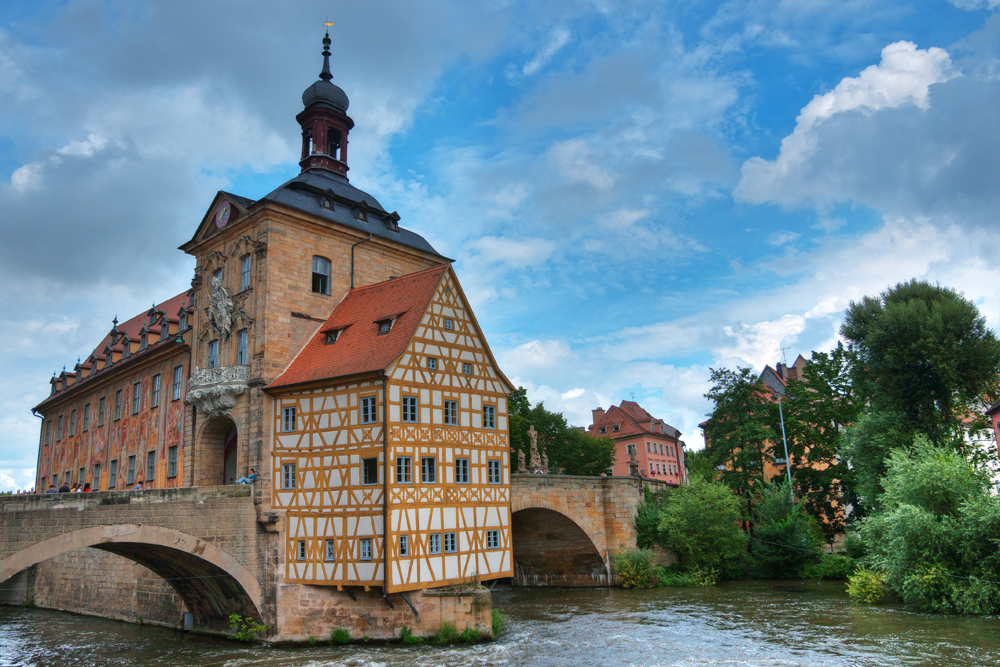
(598, 414)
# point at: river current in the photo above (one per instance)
(733, 625)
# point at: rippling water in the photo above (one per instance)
(735, 625)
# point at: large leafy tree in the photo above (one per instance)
(816, 408)
(699, 524)
(924, 352)
(740, 431)
(570, 451)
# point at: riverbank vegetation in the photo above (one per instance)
(890, 426)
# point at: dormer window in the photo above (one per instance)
(602, 429)
(182, 322)
(143, 341)
(326, 202)
(616, 428)
(332, 336)
(126, 346)
(384, 326)
(164, 328)
(360, 214)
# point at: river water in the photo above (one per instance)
(734, 625)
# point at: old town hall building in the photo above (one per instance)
(331, 351)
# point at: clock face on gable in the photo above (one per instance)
(222, 214)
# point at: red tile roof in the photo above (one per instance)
(629, 417)
(360, 348)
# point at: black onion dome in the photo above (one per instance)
(324, 92)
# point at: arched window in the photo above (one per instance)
(244, 272)
(332, 142)
(321, 275)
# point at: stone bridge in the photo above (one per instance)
(206, 543)
(566, 527)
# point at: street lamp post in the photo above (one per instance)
(788, 461)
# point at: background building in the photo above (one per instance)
(657, 446)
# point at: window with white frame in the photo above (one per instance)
(451, 413)
(288, 475)
(136, 397)
(213, 354)
(492, 539)
(178, 378)
(404, 470)
(448, 325)
(288, 419)
(331, 550)
(302, 550)
(241, 347)
(461, 471)
(467, 369)
(365, 548)
(432, 363)
(630, 448)
(489, 416)
(450, 543)
(434, 543)
(244, 272)
(404, 545)
(410, 406)
(494, 471)
(321, 275)
(369, 471)
(369, 415)
(154, 398)
(428, 470)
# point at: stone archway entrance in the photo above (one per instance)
(550, 549)
(217, 453)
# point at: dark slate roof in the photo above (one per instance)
(305, 191)
(772, 380)
(242, 201)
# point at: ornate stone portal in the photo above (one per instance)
(214, 390)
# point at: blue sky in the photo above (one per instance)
(634, 192)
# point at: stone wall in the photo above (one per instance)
(315, 611)
(98, 583)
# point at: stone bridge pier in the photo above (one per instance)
(565, 528)
(206, 544)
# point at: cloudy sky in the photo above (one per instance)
(634, 192)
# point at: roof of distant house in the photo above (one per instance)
(631, 420)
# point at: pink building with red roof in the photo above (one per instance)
(658, 449)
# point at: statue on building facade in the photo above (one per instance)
(520, 461)
(220, 308)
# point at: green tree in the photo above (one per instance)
(816, 408)
(740, 431)
(570, 451)
(700, 464)
(936, 538)
(785, 538)
(699, 523)
(866, 445)
(924, 352)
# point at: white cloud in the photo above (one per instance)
(976, 5)
(17, 479)
(558, 39)
(518, 253)
(574, 161)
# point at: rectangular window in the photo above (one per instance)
(302, 550)
(241, 347)
(172, 462)
(368, 410)
(130, 480)
(404, 545)
(288, 476)
(492, 539)
(72, 423)
(321, 275)
(48, 431)
(59, 426)
(489, 416)
(150, 466)
(101, 410)
(178, 378)
(113, 474)
(369, 471)
(331, 550)
(434, 543)
(448, 324)
(461, 471)
(86, 417)
(432, 363)
(451, 413)
(404, 473)
(428, 470)
(649, 448)
(450, 543)
(288, 420)
(97, 477)
(494, 470)
(661, 448)
(213, 354)
(410, 409)
(244, 272)
(365, 548)
(467, 369)
(630, 448)
(83, 475)
(136, 397)
(154, 397)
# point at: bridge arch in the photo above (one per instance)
(552, 548)
(211, 582)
